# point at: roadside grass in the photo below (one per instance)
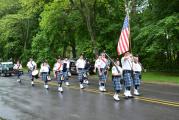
(155, 77)
(2, 118)
(160, 77)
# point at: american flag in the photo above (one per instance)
(123, 43)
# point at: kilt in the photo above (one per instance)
(19, 73)
(136, 78)
(65, 75)
(44, 76)
(103, 77)
(127, 79)
(80, 74)
(30, 74)
(117, 83)
(59, 75)
(85, 75)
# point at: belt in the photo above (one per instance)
(117, 76)
(137, 72)
(80, 68)
(127, 71)
(44, 72)
(102, 69)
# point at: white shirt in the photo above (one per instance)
(126, 64)
(67, 62)
(58, 67)
(104, 62)
(114, 70)
(47, 65)
(97, 63)
(44, 68)
(101, 63)
(80, 63)
(137, 67)
(31, 65)
(17, 66)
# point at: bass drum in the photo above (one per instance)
(35, 73)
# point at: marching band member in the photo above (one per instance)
(58, 74)
(18, 69)
(31, 66)
(116, 78)
(97, 68)
(80, 65)
(66, 66)
(87, 67)
(47, 65)
(44, 72)
(137, 68)
(106, 68)
(101, 65)
(126, 62)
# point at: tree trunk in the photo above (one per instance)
(73, 50)
(89, 17)
(27, 36)
(64, 50)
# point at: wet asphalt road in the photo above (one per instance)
(23, 102)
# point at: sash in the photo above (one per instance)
(58, 69)
(33, 66)
(103, 60)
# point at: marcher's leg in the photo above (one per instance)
(59, 79)
(136, 83)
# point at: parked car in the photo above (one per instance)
(6, 68)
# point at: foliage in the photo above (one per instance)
(45, 29)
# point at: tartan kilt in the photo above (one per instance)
(44, 76)
(80, 74)
(59, 75)
(85, 75)
(65, 75)
(117, 83)
(18, 72)
(30, 74)
(102, 77)
(136, 78)
(127, 79)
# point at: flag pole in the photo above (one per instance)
(128, 10)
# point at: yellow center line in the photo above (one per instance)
(151, 100)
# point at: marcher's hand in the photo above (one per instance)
(55, 76)
(94, 70)
(108, 67)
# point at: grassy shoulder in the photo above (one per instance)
(2, 118)
(160, 77)
(155, 77)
